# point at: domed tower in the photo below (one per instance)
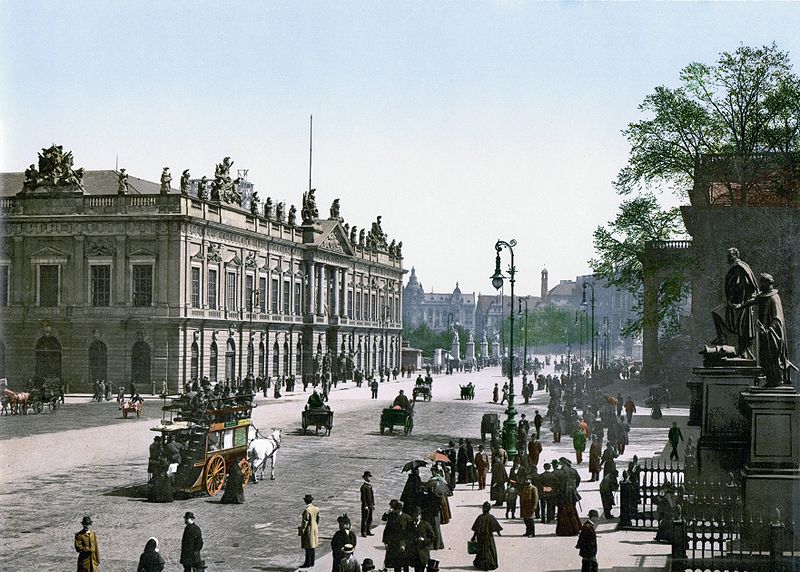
(413, 297)
(545, 289)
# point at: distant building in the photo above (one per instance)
(434, 308)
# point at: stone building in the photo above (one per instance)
(108, 276)
(434, 308)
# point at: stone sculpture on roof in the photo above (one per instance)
(55, 170)
(361, 236)
(335, 211)
(185, 182)
(166, 181)
(268, 208)
(353, 235)
(309, 212)
(202, 188)
(254, 200)
(292, 215)
(122, 182)
(279, 212)
(223, 188)
(378, 236)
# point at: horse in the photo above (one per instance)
(259, 450)
(18, 402)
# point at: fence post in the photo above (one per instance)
(678, 535)
(626, 494)
(775, 548)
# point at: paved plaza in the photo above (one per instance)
(54, 473)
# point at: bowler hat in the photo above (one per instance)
(367, 474)
(367, 565)
(86, 520)
(308, 498)
(188, 515)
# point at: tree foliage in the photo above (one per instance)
(546, 325)
(425, 339)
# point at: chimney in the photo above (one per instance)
(545, 289)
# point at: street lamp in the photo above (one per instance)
(451, 324)
(583, 303)
(509, 426)
(525, 359)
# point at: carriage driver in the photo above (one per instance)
(402, 401)
(314, 400)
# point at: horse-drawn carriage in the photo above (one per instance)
(467, 391)
(129, 406)
(422, 390)
(42, 393)
(213, 435)
(490, 423)
(318, 417)
(397, 417)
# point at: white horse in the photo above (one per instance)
(261, 449)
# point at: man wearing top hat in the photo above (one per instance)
(86, 547)
(367, 505)
(309, 531)
(191, 545)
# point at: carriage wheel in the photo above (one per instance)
(38, 407)
(52, 405)
(408, 425)
(244, 464)
(215, 475)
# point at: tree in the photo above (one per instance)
(620, 250)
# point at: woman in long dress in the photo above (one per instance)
(483, 534)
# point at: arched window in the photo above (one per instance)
(230, 360)
(140, 363)
(276, 353)
(98, 361)
(212, 363)
(262, 359)
(48, 357)
(194, 371)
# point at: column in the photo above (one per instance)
(311, 295)
(319, 269)
(78, 294)
(343, 294)
(335, 310)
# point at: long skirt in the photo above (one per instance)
(568, 523)
(486, 558)
(445, 510)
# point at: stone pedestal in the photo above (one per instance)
(771, 476)
(471, 350)
(723, 444)
(695, 402)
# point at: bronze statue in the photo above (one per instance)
(122, 187)
(185, 182)
(166, 181)
(292, 215)
(773, 355)
(734, 322)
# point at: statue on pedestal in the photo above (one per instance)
(354, 235)
(202, 192)
(279, 212)
(335, 210)
(185, 182)
(122, 187)
(166, 180)
(268, 208)
(292, 215)
(254, 200)
(733, 322)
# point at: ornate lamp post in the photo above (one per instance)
(525, 359)
(451, 324)
(509, 426)
(583, 303)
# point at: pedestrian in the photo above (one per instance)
(548, 494)
(396, 536)
(622, 434)
(412, 491)
(579, 444)
(630, 409)
(234, 486)
(587, 544)
(524, 424)
(153, 459)
(151, 560)
(497, 489)
(594, 459)
(505, 393)
(309, 531)
(675, 437)
(483, 530)
(191, 545)
(511, 499)
(342, 538)
(608, 486)
(367, 565)
(367, 504)
(534, 451)
(495, 394)
(568, 522)
(482, 465)
(462, 460)
(421, 540)
(555, 426)
(619, 404)
(87, 548)
(348, 563)
(528, 501)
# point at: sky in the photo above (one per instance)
(459, 122)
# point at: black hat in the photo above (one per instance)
(188, 515)
(343, 519)
(367, 565)
(394, 503)
(86, 520)
(367, 474)
(308, 498)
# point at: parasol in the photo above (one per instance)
(439, 457)
(414, 464)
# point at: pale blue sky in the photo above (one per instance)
(459, 122)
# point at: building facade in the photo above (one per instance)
(107, 276)
(436, 309)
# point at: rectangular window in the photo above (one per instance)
(374, 309)
(3, 285)
(212, 289)
(298, 291)
(349, 295)
(262, 288)
(142, 285)
(365, 307)
(286, 293)
(48, 285)
(230, 288)
(358, 305)
(248, 292)
(101, 284)
(195, 287)
(274, 296)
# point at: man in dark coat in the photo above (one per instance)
(396, 536)
(341, 538)
(548, 494)
(587, 544)
(537, 423)
(191, 545)
(483, 530)
(412, 491)
(452, 454)
(421, 539)
(608, 486)
(367, 505)
(482, 465)
(463, 459)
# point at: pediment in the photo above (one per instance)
(49, 253)
(142, 253)
(336, 241)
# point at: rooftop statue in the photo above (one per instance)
(166, 181)
(223, 188)
(733, 321)
(279, 212)
(254, 200)
(400, 249)
(202, 188)
(353, 235)
(292, 215)
(378, 236)
(268, 208)
(122, 186)
(185, 182)
(55, 170)
(361, 238)
(393, 248)
(335, 210)
(309, 212)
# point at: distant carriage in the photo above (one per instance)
(391, 418)
(467, 391)
(422, 391)
(319, 418)
(47, 394)
(490, 423)
(130, 407)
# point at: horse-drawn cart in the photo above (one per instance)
(490, 423)
(318, 417)
(130, 406)
(212, 436)
(397, 417)
(468, 391)
(422, 391)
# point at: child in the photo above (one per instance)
(511, 499)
